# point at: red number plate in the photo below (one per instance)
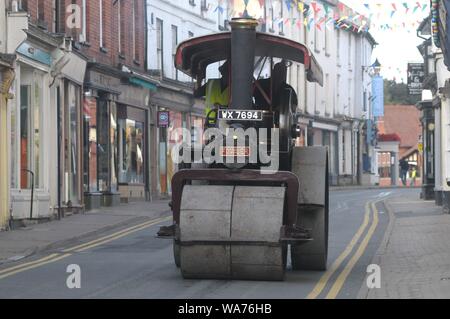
(235, 151)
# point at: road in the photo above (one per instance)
(135, 264)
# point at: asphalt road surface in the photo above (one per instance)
(133, 263)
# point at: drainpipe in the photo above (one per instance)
(58, 134)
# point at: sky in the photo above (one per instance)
(396, 47)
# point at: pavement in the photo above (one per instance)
(33, 239)
(414, 256)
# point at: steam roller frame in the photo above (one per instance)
(235, 231)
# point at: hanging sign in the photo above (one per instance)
(416, 76)
(163, 119)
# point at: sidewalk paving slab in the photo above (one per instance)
(415, 254)
(24, 242)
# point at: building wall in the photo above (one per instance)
(2, 27)
(342, 55)
(175, 92)
(190, 21)
(120, 45)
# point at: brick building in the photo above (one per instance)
(79, 118)
(400, 127)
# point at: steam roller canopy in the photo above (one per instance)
(232, 232)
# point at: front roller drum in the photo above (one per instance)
(232, 232)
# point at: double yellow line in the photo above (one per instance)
(340, 280)
(79, 248)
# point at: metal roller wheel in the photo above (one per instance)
(310, 165)
(176, 253)
(232, 232)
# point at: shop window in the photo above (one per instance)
(28, 141)
(131, 151)
(113, 147)
(103, 145)
(90, 145)
(71, 148)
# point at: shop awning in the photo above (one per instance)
(144, 83)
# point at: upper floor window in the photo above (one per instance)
(135, 30)
(159, 44)
(84, 36)
(41, 10)
(174, 49)
(204, 5)
(350, 55)
(338, 44)
(102, 24)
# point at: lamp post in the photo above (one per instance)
(370, 157)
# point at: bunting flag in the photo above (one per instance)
(405, 4)
(319, 15)
(315, 7)
(288, 4)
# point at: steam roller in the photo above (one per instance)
(238, 214)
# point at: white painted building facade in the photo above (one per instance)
(333, 115)
(46, 71)
(170, 23)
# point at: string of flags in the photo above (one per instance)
(389, 16)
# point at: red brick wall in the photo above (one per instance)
(113, 55)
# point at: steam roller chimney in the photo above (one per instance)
(243, 43)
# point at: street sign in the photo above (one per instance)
(416, 76)
(163, 119)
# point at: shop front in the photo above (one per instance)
(116, 136)
(32, 134)
(316, 132)
(175, 111)
(70, 160)
(132, 149)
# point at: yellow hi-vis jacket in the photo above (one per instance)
(215, 95)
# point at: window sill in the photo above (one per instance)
(103, 50)
(121, 56)
(85, 44)
(136, 62)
